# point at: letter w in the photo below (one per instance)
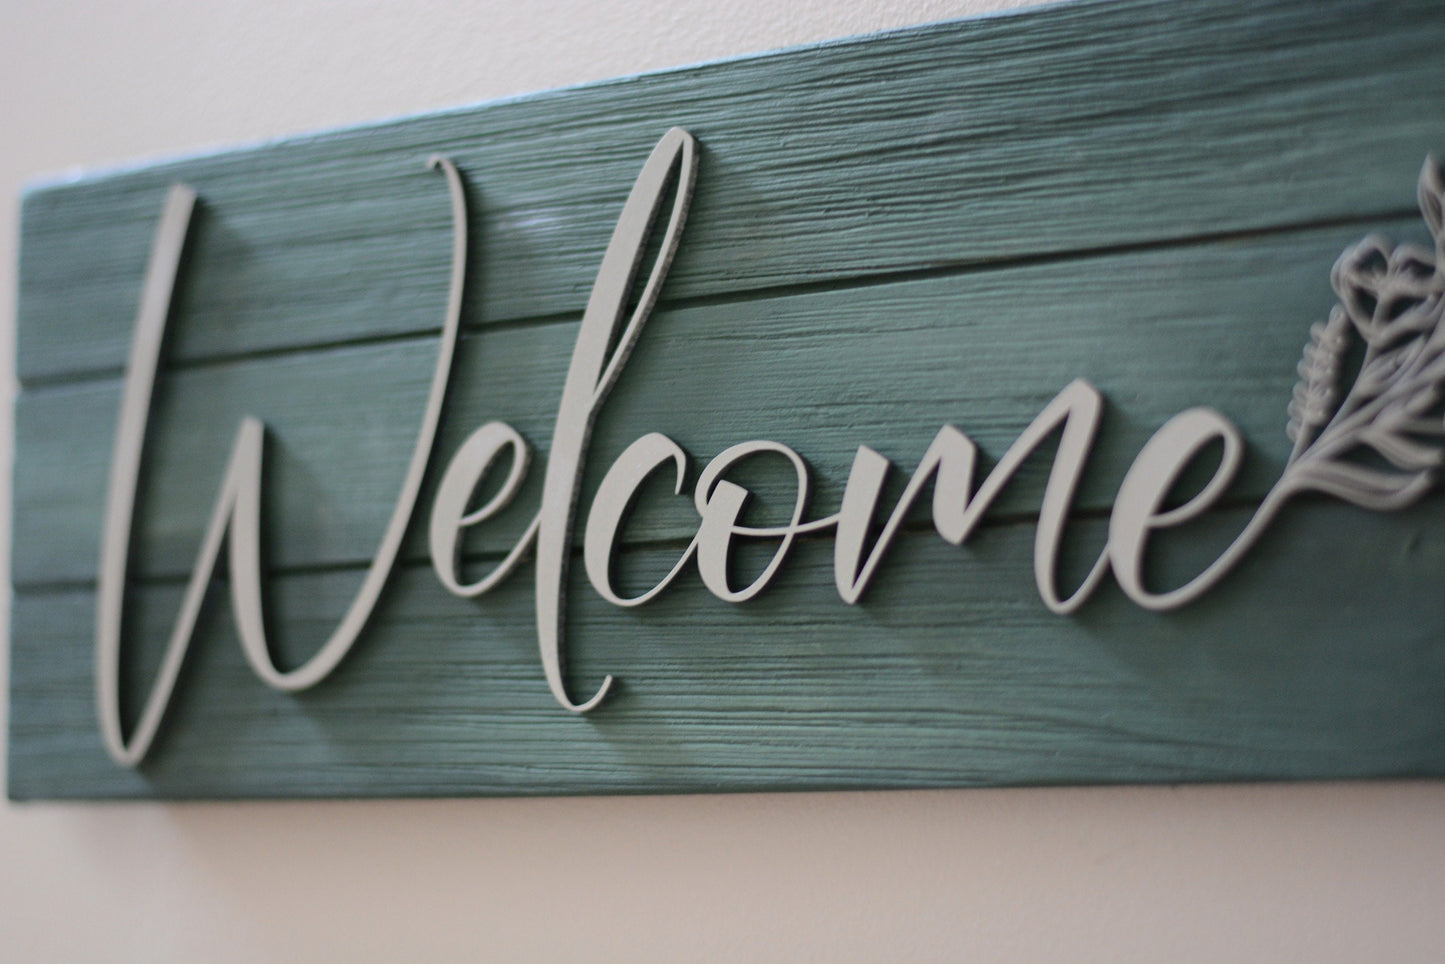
(237, 511)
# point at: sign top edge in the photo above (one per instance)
(85, 175)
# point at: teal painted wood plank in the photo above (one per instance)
(944, 224)
(1060, 130)
(1157, 331)
(1319, 658)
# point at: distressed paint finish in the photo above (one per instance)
(944, 224)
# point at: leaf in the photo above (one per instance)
(1367, 488)
(1421, 402)
(1317, 391)
(1407, 424)
(1377, 375)
(1402, 452)
(1432, 198)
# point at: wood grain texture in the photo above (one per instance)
(1081, 127)
(951, 674)
(945, 224)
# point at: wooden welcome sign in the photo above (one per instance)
(1048, 398)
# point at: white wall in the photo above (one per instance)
(1307, 873)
